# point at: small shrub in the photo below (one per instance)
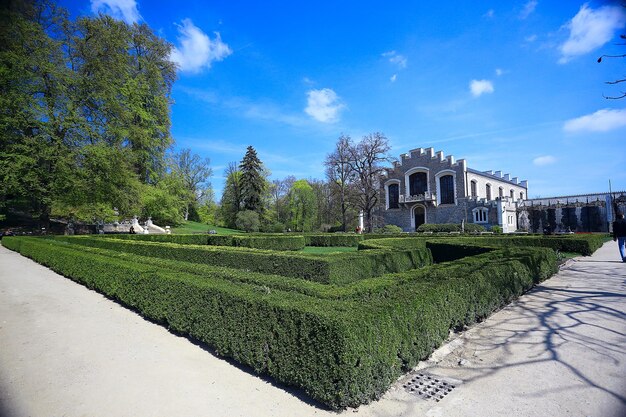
(474, 228)
(248, 221)
(391, 229)
(496, 229)
(277, 228)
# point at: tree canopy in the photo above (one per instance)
(84, 119)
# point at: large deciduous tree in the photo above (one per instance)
(339, 173)
(231, 202)
(366, 158)
(195, 173)
(35, 121)
(84, 111)
(279, 191)
(302, 207)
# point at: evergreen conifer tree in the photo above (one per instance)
(252, 181)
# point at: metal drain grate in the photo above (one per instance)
(430, 387)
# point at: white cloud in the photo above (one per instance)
(125, 10)
(601, 121)
(531, 38)
(499, 71)
(397, 59)
(323, 105)
(528, 9)
(490, 13)
(590, 29)
(197, 50)
(479, 87)
(393, 78)
(544, 160)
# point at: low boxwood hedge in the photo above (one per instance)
(583, 244)
(195, 239)
(344, 351)
(333, 239)
(269, 242)
(335, 268)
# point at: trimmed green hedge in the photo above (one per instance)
(342, 352)
(336, 268)
(450, 227)
(446, 252)
(583, 244)
(337, 239)
(195, 239)
(269, 242)
(398, 243)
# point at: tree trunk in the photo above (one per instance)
(343, 214)
(44, 218)
(368, 221)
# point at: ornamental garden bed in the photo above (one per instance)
(340, 326)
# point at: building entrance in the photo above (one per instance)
(419, 214)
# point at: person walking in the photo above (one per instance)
(619, 234)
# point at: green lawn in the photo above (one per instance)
(329, 249)
(195, 227)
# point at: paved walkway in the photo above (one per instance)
(560, 350)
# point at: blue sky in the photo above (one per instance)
(511, 86)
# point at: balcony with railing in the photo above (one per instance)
(427, 197)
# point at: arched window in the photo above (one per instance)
(512, 195)
(500, 192)
(392, 190)
(418, 183)
(521, 195)
(473, 191)
(488, 191)
(481, 215)
(394, 196)
(446, 188)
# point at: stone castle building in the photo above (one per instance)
(425, 186)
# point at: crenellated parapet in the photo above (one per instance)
(427, 155)
(497, 175)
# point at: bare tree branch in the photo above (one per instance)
(614, 97)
